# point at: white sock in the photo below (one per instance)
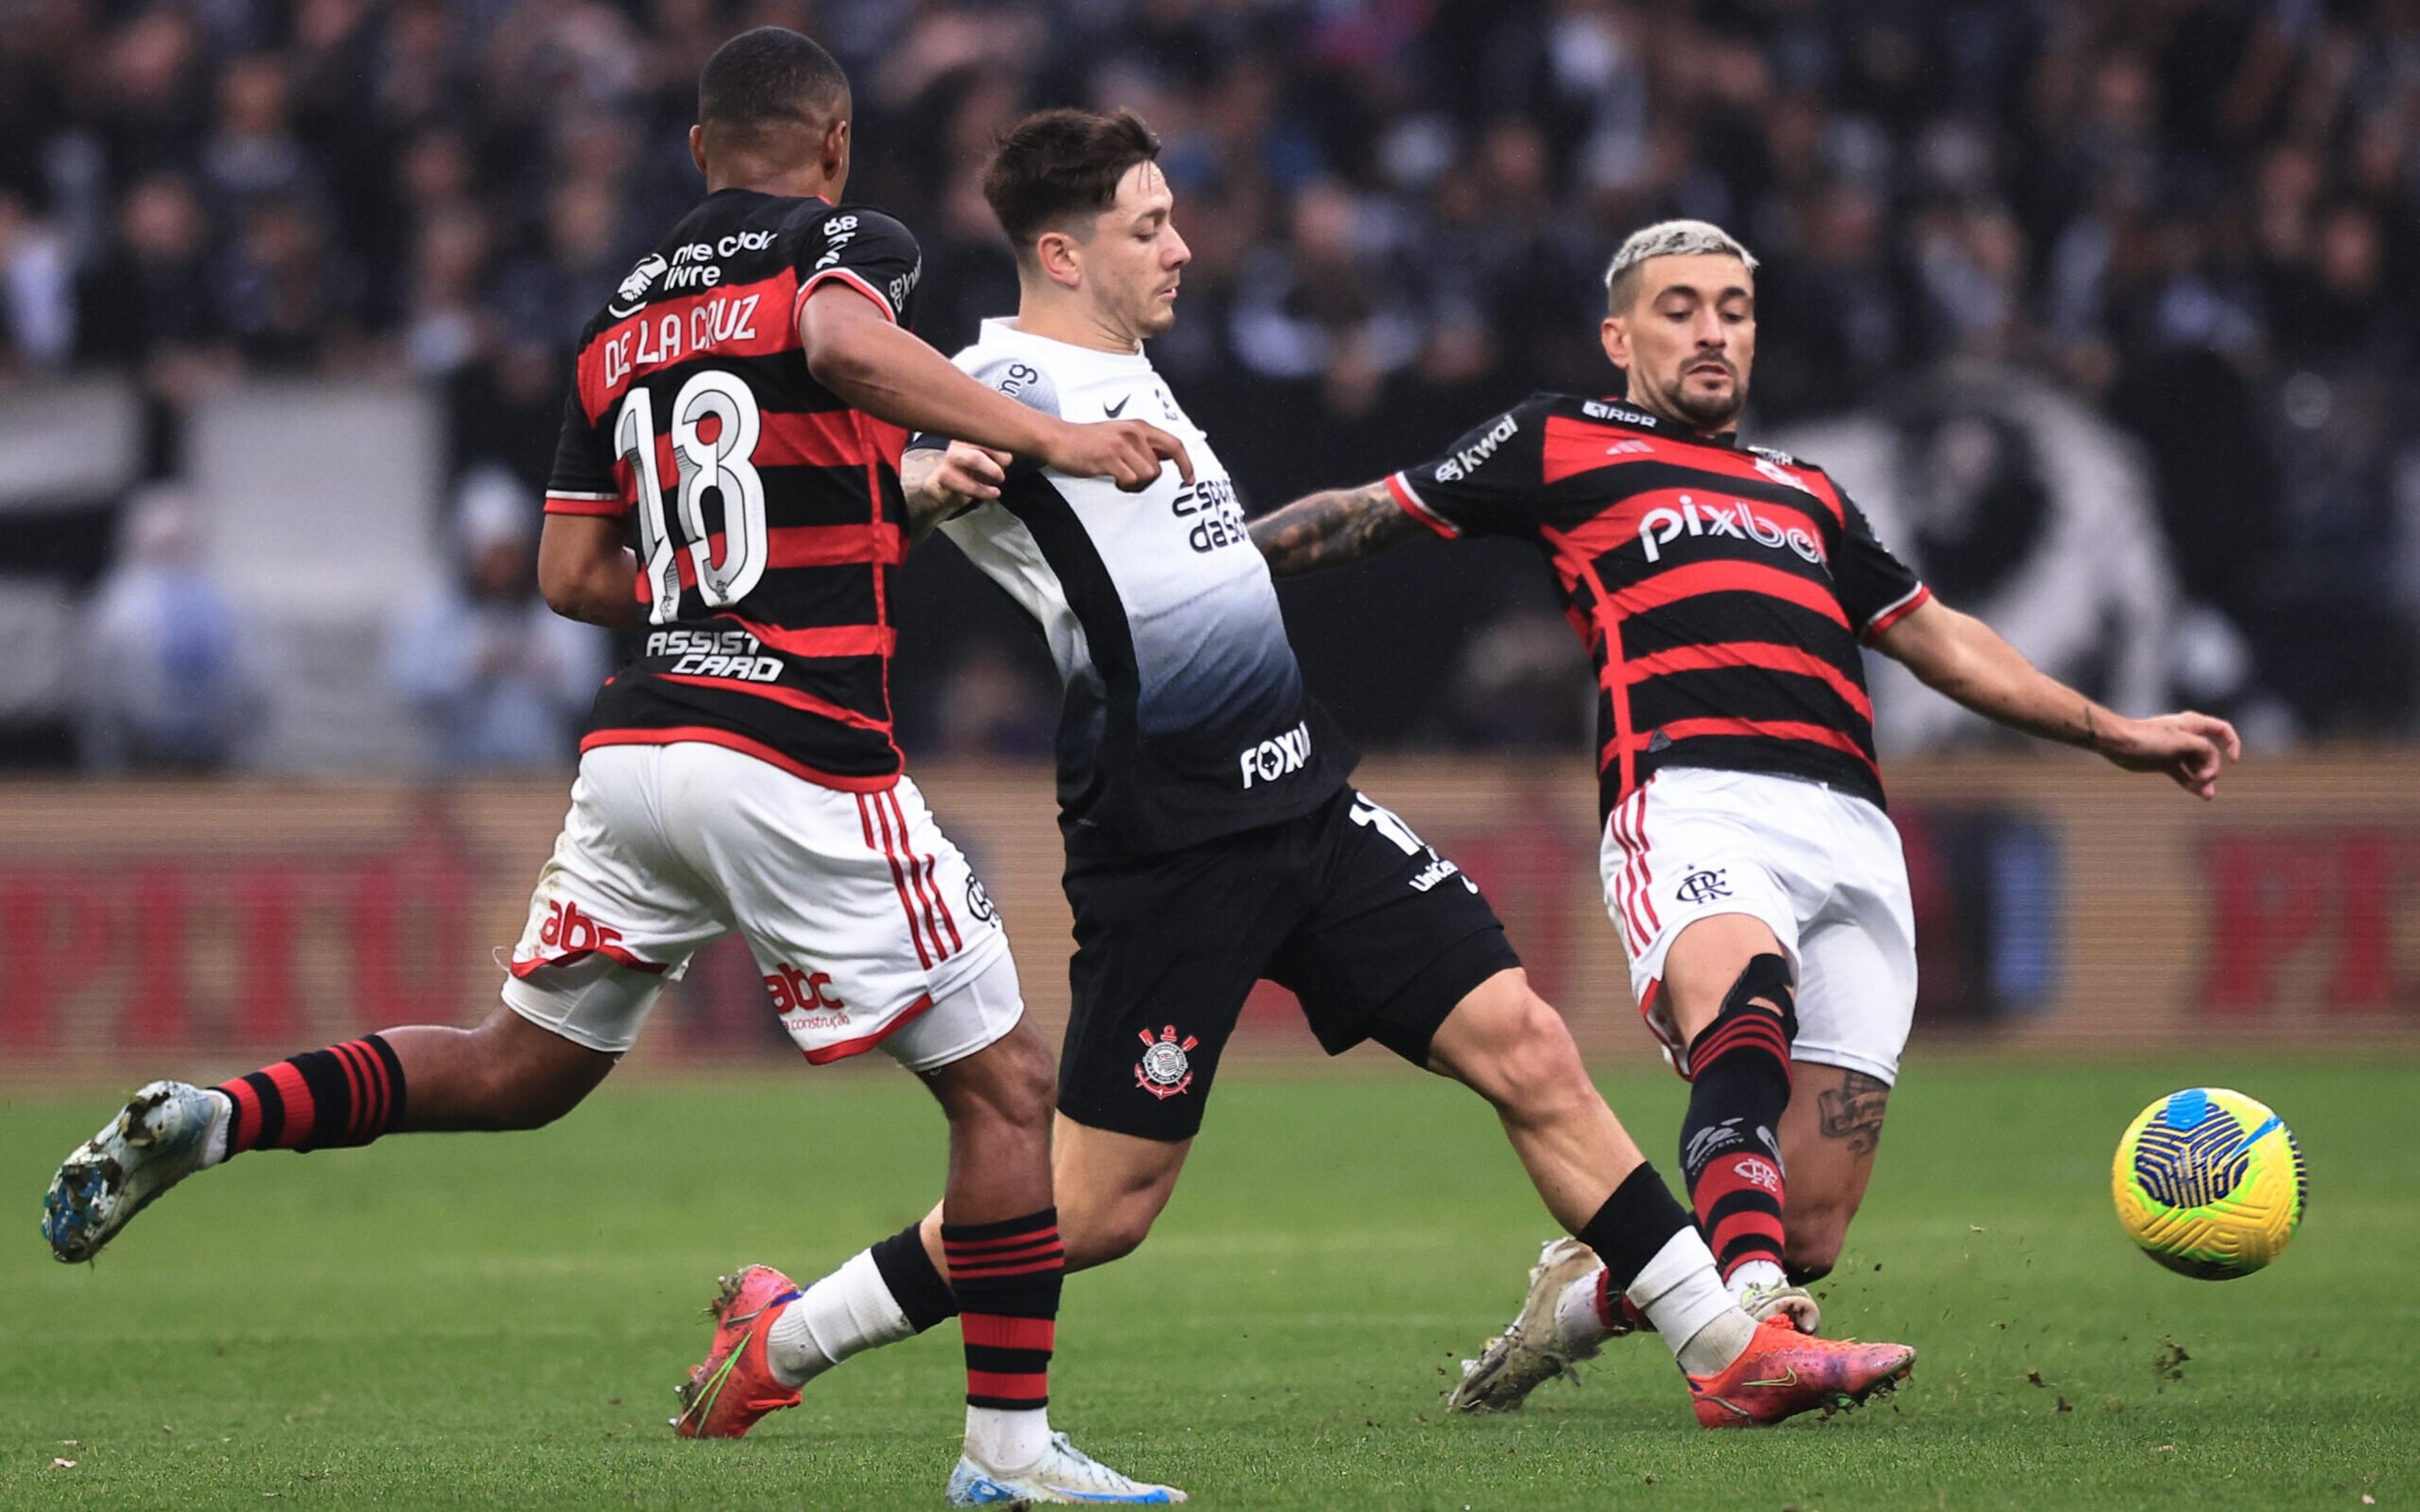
(1006, 1440)
(221, 1129)
(1754, 1274)
(1578, 1324)
(846, 1313)
(1683, 1295)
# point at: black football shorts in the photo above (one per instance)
(1377, 934)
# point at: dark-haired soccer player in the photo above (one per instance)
(741, 402)
(1724, 591)
(1213, 837)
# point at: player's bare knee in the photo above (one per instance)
(1814, 1226)
(530, 1094)
(1529, 1064)
(526, 1077)
(1007, 1085)
(1811, 1247)
(1804, 1260)
(1118, 1232)
(1031, 1095)
(539, 1100)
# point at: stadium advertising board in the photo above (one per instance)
(2057, 903)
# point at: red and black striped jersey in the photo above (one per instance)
(1723, 590)
(766, 511)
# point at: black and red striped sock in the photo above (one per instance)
(1739, 1072)
(347, 1094)
(1007, 1276)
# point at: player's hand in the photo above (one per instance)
(1126, 451)
(966, 476)
(942, 485)
(2189, 747)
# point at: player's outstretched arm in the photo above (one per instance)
(1327, 530)
(855, 350)
(1961, 656)
(586, 573)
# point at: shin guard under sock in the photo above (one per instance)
(1007, 1276)
(1739, 1072)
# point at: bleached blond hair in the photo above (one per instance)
(1666, 239)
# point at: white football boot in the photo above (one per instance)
(1531, 1350)
(155, 1141)
(1064, 1477)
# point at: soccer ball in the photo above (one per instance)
(2210, 1183)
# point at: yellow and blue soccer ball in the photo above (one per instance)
(2210, 1183)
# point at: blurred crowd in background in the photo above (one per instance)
(2106, 308)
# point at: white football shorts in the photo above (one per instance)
(1819, 868)
(868, 925)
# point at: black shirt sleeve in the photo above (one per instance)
(583, 482)
(1485, 483)
(866, 249)
(1876, 588)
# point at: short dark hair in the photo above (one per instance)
(1057, 164)
(768, 78)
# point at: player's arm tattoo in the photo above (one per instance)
(1327, 530)
(1853, 1112)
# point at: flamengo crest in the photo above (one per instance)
(1164, 1070)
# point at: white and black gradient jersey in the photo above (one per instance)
(1186, 718)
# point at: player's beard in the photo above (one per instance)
(1711, 412)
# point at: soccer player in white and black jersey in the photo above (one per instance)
(1724, 592)
(739, 411)
(1213, 837)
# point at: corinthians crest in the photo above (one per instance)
(1164, 1070)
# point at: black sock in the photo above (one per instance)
(1633, 1227)
(1739, 1074)
(915, 1285)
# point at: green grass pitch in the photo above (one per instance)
(481, 1320)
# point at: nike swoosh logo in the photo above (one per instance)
(2257, 1135)
(1114, 410)
(1788, 1378)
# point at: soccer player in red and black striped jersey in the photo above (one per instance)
(1724, 592)
(741, 407)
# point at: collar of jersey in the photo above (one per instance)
(1639, 419)
(1001, 330)
(742, 189)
